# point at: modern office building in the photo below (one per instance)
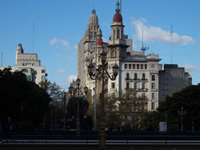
(172, 79)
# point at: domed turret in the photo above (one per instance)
(117, 17)
(93, 19)
(91, 32)
(20, 49)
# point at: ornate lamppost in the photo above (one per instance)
(102, 74)
(76, 92)
(182, 112)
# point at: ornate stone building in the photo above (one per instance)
(136, 70)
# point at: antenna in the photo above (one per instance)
(171, 44)
(143, 47)
(1, 59)
(33, 35)
(120, 6)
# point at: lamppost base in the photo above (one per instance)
(78, 130)
(102, 138)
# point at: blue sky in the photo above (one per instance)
(53, 28)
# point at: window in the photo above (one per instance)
(138, 66)
(135, 85)
(153, 86)
(143, 85)
(133, 66)
(127, 85)
(113, 85)
(143, 94)
(113, 54)
(143, 76)
(153, 106)
(141, 66)
(145, 66)
(153, 77)
(152, 95)
(125, 66)
(113, 34)
(43, 71)
(117, 33)
(129, 66)
(127, 75)
(135, 76)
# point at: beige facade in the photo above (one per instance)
(29, 64)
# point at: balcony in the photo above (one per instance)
(128, 79)
(144, 80)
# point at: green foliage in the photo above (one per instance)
(73, 105)
(189, 99)
(21, 97)
(149, 121)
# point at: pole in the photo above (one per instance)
(102, 127)
(78, 118)
(95, 94)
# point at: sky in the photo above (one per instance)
(53, 29)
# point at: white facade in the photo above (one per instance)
(29, 64)
(136, 70)
(141, 73)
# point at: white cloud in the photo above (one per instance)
(53, 41)
(70, 78)
(153, 33)
(57, 42)
(104, 40)
(65, 56)
(61, 71)
(75, 46)
(192, 68)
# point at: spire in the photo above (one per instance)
(20, 48)
(93, 11)
(117, 7)
(117, 17)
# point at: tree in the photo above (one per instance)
(189, 99)
(57, 104)
(21, 99)
(150, 121)
(72, 108)
(124, 110)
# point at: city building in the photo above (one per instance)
(29, 64)
(172, 79)
(136, 70)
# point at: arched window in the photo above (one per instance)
(127, 75)
(113, 54)
(113, 34)
(143, 76)
(117, 33)
(24, 70)
(135, 76)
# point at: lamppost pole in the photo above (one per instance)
(181, 113)
(102, 74)
(73, 93)
(78, 107)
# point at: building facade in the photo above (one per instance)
(172, 79)
(136, 70)
(29, 64)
